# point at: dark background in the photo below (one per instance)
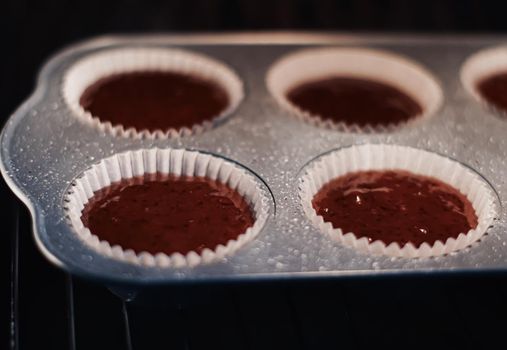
(41, 307)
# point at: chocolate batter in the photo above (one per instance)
(494, 90)
(354, 101)
(395, 206)
(154, 100)
(167, 214)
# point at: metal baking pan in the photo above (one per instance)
(44, 147)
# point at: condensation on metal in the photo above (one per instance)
(44, 147)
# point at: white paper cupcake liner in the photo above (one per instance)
(384, 67)
(481, 65)
(105, 63)
(165, 161)
(385, 157)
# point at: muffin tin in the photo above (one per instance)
(45, 147)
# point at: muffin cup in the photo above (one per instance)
(481, 65)
(164, 161)
(106, 63)
(391, 157)
(380, 66)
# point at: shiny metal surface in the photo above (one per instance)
(43, 147)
